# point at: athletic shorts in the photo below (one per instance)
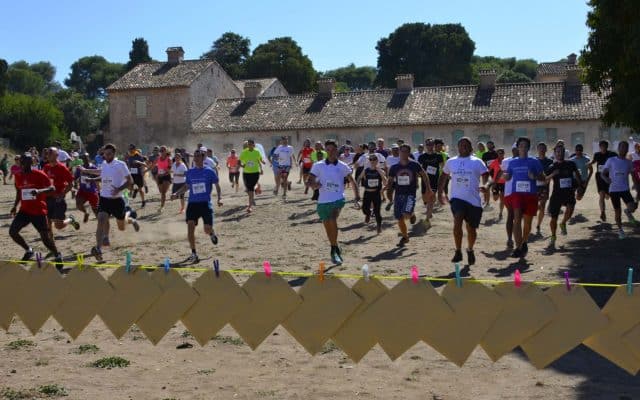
(164, 178)
(284, 169)
(498, 188)
(234, 176)
(543, 192)
(507, 202)
(557, 201)
(91, 197)
(138, 180)
(199, 210)
(433, 183)
(40, 222)
(329, 211)
(112, 207)
(526, 202)
(56, 208)
(602, 185)
(250, 180)
(403, 204)
(470, 213)
(177, 186)
(617, 196)
(306, 170)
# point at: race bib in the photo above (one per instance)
(27, 195)
(332, 187)
(404, 180)
(372, 182)
(600, 168)
(432, 170)
(566, 183)
(250, 164)
(462, 181)
(162, 171)
(107, 181)
(134, 170)
(198, 188)
(523, 186)
(541, 183)
(306, 160)
(84, 180)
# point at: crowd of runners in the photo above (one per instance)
(528, 187)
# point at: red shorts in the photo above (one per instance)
(507, 202)
(92, 198)
(526, 202)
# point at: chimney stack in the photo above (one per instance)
(404, 83)
(252, 91)
(325, 87)
(571, 59)
(175, 55)
(573, 75)
(487, 78)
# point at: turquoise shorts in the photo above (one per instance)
(328, 211)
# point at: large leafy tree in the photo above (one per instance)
(509, 70)
(91, 75)
(22, 79)
(80, 115)
(611, 58)
(353, 77)
(231, 51)
(434, 54)
(283, 58)
(29, 120)
(139, 53)
(3, 75)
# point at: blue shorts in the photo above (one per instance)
(199, 210)
(403, 204)
(284, 169)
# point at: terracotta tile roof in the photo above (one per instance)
(265, 83)
(161, 75)
(423, 106)
(552, 68)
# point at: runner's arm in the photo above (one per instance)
(390, 186)
(312, 182)
(15, 202)
(442, 181)
(87, 171)
(180, 191)
(356, 193)
(219, 193)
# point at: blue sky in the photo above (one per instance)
(332, 33)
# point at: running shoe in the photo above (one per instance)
(517, 253)
(563, 229)
(510, 244)
(28, 255)
(289, 186)
(97, 253)
(403, 241)
(134, 194)
(193, 258)
(525, 249)
(74, 223)
(136, 225)
(426, 224)
(471, 257)
(335, 258)
(629, 215)
(552, 242)
(457, 257)
(144, 203)
(146, 189)
(214, 238)
(603, 217)
(367, 219)
(538, 232)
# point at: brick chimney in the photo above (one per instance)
(571, 59)
(326, 86)
(175, 55)
(251, 91)
(573, 75)
(487, 78)
(404, 83)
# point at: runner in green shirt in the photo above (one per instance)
(251, 163)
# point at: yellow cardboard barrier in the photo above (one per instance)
(12, 278)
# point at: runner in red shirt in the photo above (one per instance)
(304, 160)
(63, 183)
(31, 189)
(498, 182)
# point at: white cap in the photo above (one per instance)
(203, 148)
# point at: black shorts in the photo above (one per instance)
(498, 188)
(433, 183)
(234, 176)
(199, 210)
(617, 196)
(602, 185)
(113, 207)
(250, 180)
(40, 222)
(176, 187)
(56, 208)
(557, 201)
(403, 204)
(470, 213)
(138, 180)
(305, 170)
(542, 192)
(164, 178)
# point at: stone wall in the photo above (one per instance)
(275, 89)
(212, 83)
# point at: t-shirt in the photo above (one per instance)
(582, 163)
(392, 160)
(283, 155)
(76, 162)
(363, 161)
(563, 181)
(98, 159)
(179, 172)
(305, 156)
(494, 170)
(635, 160)
(465, 175)
(416, 155)
(211, 163)
(331, 176)
(431, 163)
(384, 152)
(132, 162)
(59, 175)
(546, 164)
(232, 162)
(600, 159)
(372, 179)
(314, 155)
(619, 171)
(504, 166)
(519, 169)
(201, 181)
(251, 160)
(113, 175)
(25, 183)
(346, 158)
(87, 186)
(163, 165)
(406, 177)
(489, 156)
(15, 169)
(63, 156)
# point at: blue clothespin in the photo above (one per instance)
(127, 265)
(216, 267)
(630, 281)
(167, 265)
(458, 279)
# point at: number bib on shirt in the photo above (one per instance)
(27, 195)
(84, 180)
(306, 160)
(600, 168)
(431, 170)
(372, 182)
(332, 187)
(404, 180)
(463, 181)
(523, 186)
(198, 188)
(566, 183)
(250, 164)
(133, 171)
(162, 171)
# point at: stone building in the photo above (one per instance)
(555, 71)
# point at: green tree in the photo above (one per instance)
(45, 69)
(527, 66)
(231, 51)
(510, 76)
(29, 120)
(283, 58)
(21, 79)
(434, 54)
(353, 77)
(92, 75)
(611, 58)
(80, 114)
(3, 75)
(139, 53)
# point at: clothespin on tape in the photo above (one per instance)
(517, 279)
(39, 259)
(216, 267)
(80, 261)
(167, 265)
(267, 268)
(321, 271)
(414, 274)
(127, 262)
(365, 272)
(630, 281)
(566, 281)
(458, 279)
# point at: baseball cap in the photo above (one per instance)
(395, 146)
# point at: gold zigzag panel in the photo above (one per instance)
(545, 323)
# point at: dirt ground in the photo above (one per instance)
(291, 238)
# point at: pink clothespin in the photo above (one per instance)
(517, 279)
(267, 268)
(414, 274)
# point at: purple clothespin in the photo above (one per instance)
(216, 267)
(39, 259)
(566, 281)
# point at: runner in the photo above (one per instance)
(304, 162)
(403, 179)
(328, 178)
(347, 157)
(137, 168)
(15, 168)
(87, 189)
(63, 182)
(635, 160)
(234, 169)
(394, 157)
(481, 150)
(564, 174)
(487, 157)
(432, 163)
(507, 194)
(212, 161)
(465, 172)
(285, 158)
(115, 177)
(439, 147)
(600, 158)
(179, 169)
(319, 149)
(497, 186)
(583, 163)
(4, 167)
(616, 173)
(416, 154)
(151, 163)
(523, 171)
(373, 179)
(251, 163)
(163, 177)
(380, 149)
(542, 185)
(199, 183)
(32, 187)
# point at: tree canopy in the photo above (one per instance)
(29, 120)
(231, 51)
(509, 70)
(3, 75)
(139, 53)
(611, 58)
(353, 78)
(91, 76)
(80, 114)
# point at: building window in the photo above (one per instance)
(332, 136)
(540, 136)
(390, 141)
(417, 138)
(456, 135)
(227, 147)
(369, 137)
(484, 138)
(509, 137)
(577, 138)
(552, 136)
(141, 106)
(521, 132)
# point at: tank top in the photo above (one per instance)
(306, 157)
(163, 165)
(372, 179)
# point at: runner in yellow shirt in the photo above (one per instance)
(251, 163)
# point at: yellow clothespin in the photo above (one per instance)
(321, 271)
